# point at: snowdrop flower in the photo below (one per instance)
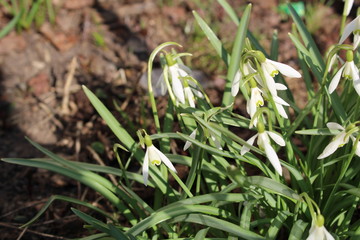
(352, 27)
(339, 140)
(318, 231)
(271, 68)
(265, 144)
(177, 71)
(155, 157)
(348, 71)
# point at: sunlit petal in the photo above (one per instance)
(145, 168)
(280, 86)
(273, 158)
(189, 96)
(236, 84)
(281, 110)
(336, 79)
(337, 142)
(285, 69)
(188, 143)
(349, 28)
(250, 141)
(357, 86)
(177, 87)
(165, 160)
(277, 138)
(334, 126)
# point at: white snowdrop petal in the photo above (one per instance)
(349, 28)
(183, 70)
(273, 158)
(145, 168)
(236, 84)
(281, 110)
(357, 86)
(336, 79)
(280, 86)
(333, 145)
(285, 69)
(280, 101)
(328, 235)
(354, 71)
(177, 87)
(277, 138)
(165, 160)
(335, 126)
(189, 96)
(250, 141)
(187, 143)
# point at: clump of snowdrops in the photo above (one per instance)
(304, 162)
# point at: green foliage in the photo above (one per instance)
(233, 188)
(27, 12)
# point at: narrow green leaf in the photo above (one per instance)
(276, 224)
(308, 40)
(11, 24)
(233, 16)
(97, 224)
(236, 53)
(66, 199)
(214, 40)
(298, 230)
(219, 224)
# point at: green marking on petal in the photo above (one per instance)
(155, 162)
(274, 73)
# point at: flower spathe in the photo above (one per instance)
(338, 141)
(155, 157)
(265, 144)
(318, 231)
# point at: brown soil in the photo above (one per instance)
(41, 73)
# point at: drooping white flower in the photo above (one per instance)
(155, 157)
(265, 144)
(348, 71)
(272, 68)
(176, 72)
(338, 141)
(352, 27)
(318, 231)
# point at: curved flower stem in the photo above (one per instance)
(151, 92)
